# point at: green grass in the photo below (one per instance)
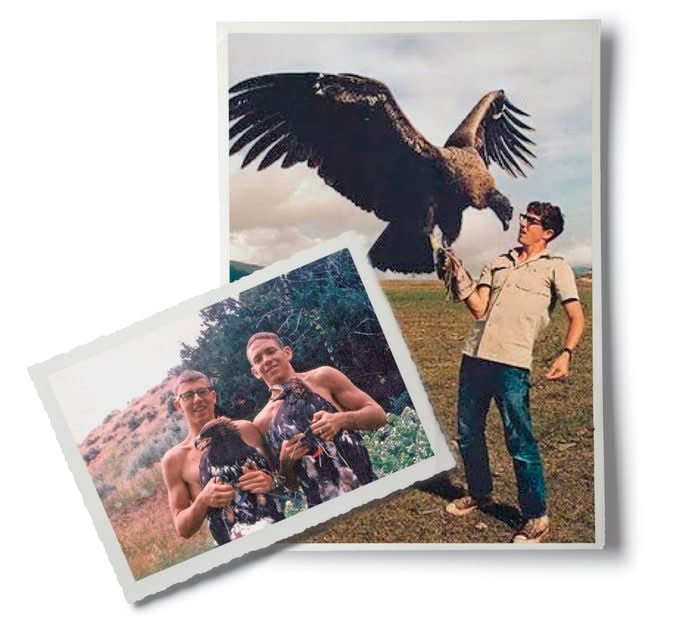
(562, 413)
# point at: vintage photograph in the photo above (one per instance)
(243, 417)
(466, 158)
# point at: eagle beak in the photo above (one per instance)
(501, 207)
(201, 443)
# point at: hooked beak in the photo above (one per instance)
(504, 214)
(201, 443)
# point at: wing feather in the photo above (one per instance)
(275, 153)
(348, 127)
(516, 121)
(264, 141)
(246, 122)
(493, 128)
(254, 131)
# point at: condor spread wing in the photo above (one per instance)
(348, 127)
(493, 127)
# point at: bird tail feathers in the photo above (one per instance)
(402, 248)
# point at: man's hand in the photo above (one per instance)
(292, 450)
(326, 425)
(458, 282)
(559, 368)
(216, 494)
(254, 480)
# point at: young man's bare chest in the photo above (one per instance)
(190, 473)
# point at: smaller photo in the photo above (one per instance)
(242, 417)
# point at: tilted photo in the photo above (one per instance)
(242, 417)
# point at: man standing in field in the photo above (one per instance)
(189, 504)
(310, 422)
(511, 304)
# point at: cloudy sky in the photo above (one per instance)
(436, 79)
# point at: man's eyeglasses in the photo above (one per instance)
(531, 220)
(189, 396)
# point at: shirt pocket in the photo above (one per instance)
(533, 299)
(532, 283)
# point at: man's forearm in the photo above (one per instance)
(575, 324)
(189, 521)
(477, 304)
(370, 417)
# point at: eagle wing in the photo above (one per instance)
(493, 128)
(348, 127)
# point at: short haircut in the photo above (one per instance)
(264, 335)
(191, 375)
(551, 216)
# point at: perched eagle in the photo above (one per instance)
(330, 467)
(351, 130)
(225, 454)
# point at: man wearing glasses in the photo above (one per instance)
(511, 304)
(189, 504)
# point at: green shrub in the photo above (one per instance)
(152, 450)
(398, 444)
(103, 488)
(134, 421)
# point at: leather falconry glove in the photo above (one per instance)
(457, 281)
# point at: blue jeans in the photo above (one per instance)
(480, 381)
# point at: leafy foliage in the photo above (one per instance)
(398, 444)
(395, 446)
(320, 310)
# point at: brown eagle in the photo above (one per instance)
(224, 456)
(351, 130)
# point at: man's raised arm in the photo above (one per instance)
(462, 287)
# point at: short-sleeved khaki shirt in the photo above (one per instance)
(521, 300)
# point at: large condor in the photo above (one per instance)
(351, 130)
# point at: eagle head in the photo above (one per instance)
(222, 441)
(220, 431)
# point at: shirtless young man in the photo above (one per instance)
(189, 504)
(348, 409)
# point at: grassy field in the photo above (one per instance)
(562, 414)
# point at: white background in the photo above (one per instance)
(108, 196)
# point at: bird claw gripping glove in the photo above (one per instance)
(459, 285)
(458, 282)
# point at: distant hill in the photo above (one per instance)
(123, 456)
(241, 269)
(583, 271)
